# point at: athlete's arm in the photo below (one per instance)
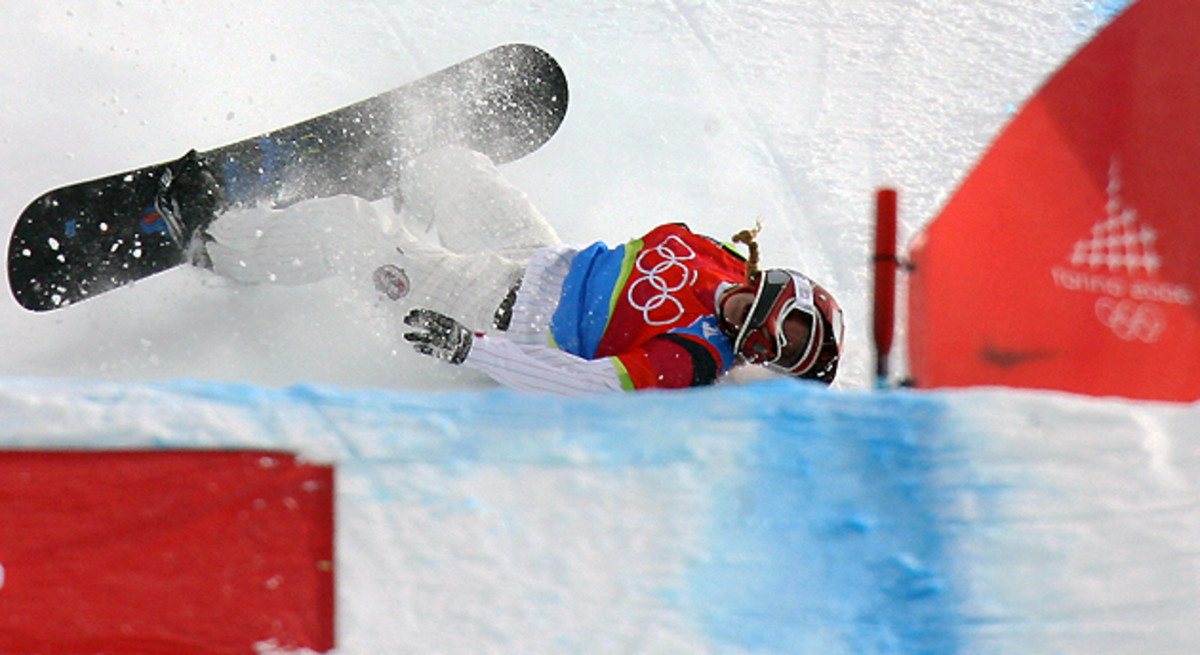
(541, 368)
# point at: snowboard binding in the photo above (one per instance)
(189, 197)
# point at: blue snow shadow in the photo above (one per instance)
(830, 539)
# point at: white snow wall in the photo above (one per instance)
(762, 518)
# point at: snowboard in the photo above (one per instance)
(81, 240)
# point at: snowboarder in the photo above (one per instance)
(491, 286)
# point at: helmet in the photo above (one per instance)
(793, 326)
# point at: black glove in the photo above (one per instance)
(438, 335)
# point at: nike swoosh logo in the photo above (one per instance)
(1007, 358)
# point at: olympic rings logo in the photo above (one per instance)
(1131, 320)
(663, 273)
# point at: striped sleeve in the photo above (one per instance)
(541, 368)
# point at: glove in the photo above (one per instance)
(438, 335)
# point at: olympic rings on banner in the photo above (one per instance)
(1131, 320)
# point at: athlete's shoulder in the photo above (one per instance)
(683, 231)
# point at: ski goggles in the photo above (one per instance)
(763, 339)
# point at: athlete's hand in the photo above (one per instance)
(438, 335)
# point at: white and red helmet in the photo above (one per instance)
(779, 295)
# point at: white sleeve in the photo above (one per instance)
(541, 368)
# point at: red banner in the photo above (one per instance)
(164, 552)
(1068, 258)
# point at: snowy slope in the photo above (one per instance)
(765, 517)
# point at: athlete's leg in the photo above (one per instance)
(471, 206)
(304, 243)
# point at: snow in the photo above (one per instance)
(762, 516)
(767, 517)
